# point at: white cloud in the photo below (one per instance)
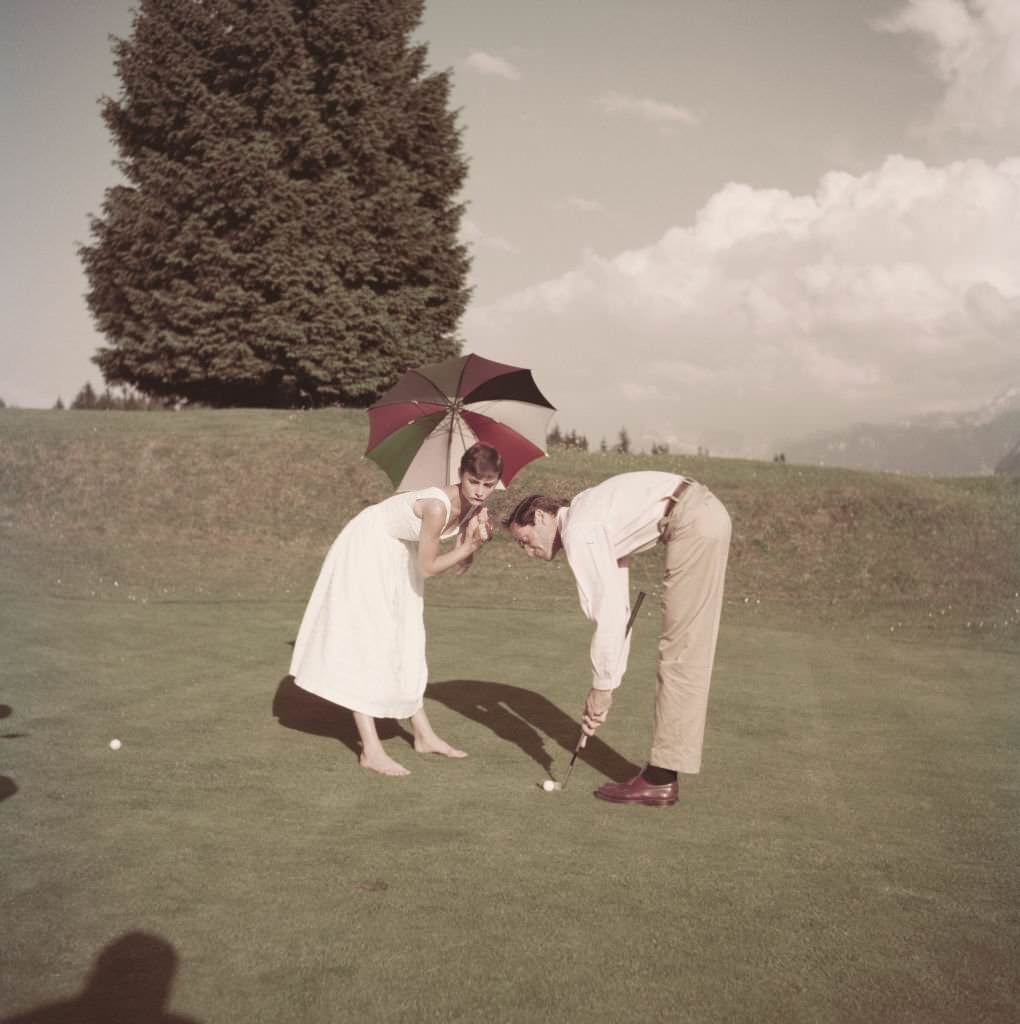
(646, 109)
(583, 205)
(639, 392)
(875, 296)
(499, 244)
(471, 234)
(488, 64)
(974, 47)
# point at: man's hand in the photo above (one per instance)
(596, 710)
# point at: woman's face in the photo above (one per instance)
(475, 490)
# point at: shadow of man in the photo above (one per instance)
(130, 983)
(519, 716)
(524, 718)
(298, 709)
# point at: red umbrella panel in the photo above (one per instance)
(421, 427)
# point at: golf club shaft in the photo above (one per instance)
(584, 739)
(634, 611)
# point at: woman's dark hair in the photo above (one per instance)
(481, 459)
(524, 513)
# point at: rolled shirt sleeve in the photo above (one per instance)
(603, 587)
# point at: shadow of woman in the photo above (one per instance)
(523, 717)
(519, 716)
(130, 983)
(298, 709)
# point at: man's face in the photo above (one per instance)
(538, 541)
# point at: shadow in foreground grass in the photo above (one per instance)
(522, 717)
(298, 709)
(5, 712)
(131, 981)
(515, 715)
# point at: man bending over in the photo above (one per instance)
(598, 531)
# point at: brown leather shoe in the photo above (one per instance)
(637, 791)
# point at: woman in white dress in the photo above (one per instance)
(361, 643)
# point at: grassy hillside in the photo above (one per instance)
(848, 855)
(242, 505)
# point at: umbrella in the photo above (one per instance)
(421, 427)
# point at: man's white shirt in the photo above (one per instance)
(601, 528)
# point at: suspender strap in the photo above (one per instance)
(675, 496)
(670, 505)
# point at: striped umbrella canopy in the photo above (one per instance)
(421, 427)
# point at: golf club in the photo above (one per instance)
(583, 738)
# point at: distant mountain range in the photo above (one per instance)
(971, 443)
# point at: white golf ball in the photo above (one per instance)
(115, 744)
(548, 785)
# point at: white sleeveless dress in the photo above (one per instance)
(361, 643)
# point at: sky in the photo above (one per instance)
(714, 224)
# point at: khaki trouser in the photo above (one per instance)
(697, 539)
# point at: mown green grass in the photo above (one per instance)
(848, 854)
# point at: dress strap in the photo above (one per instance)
(446, 500)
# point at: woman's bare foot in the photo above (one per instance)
(425, 739)
(434, 745)
(382, 763)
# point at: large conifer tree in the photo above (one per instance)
(287, 234)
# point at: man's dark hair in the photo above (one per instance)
(524, 513)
